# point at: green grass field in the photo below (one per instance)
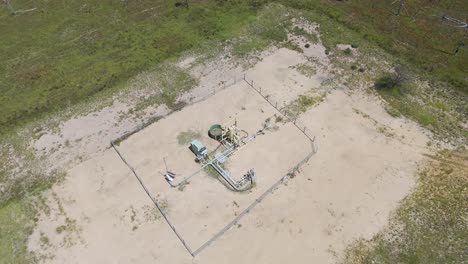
(66, 51)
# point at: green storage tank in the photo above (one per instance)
(215, 132)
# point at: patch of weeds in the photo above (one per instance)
(44, 241)
(164, 204)
(16, 224)
(385, 131)
(430, 225)
(311, 37)
(354, 67)
(279, 118)
(164, 84)
(270, 26)
(59, 204)
(426, 119)
(439, 104)
(21, 171)
(183, 185)
(72, 232)
(348, 51)
(272, 23)
(292, 46)
(306, 69)
(359, 112)
(151, 213)
(301, 104)
(60, 229)
(305, 101)
(185, 137)
(21, 198)
(270, 124)
(442, 116)
(392, 111)
(133, 214)
(244, 47)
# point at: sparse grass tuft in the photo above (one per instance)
(183, 185)
(292, 46)
(392, 111)
(307, 69)
(279, 118)
(301, 104)
(348, 51)
(311, 37)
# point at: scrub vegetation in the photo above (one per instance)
(430, 226)
(417, 31)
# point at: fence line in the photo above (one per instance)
(178, 107)
(303, 129)
(290, 173)
(153, 199)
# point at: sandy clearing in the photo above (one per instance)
(365, 165)
(276, 76)
(205, 206)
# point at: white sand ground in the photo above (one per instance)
(364, 166)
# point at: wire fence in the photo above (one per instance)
(270, 190)
(179, 106)
(155, 201)
(291, 173)
(282, 110)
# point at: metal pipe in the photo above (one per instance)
(223, 155)
(229, 180)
